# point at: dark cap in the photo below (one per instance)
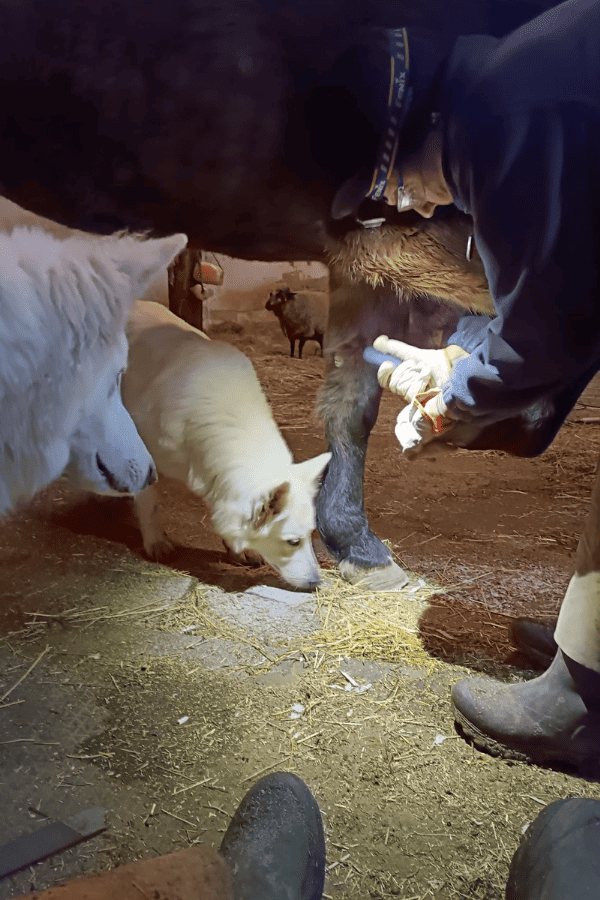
(377, 71)
(389, 75)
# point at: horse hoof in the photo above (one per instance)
(381, 578)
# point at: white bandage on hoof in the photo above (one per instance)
(412, 430)
(421, 421)
(384, 373)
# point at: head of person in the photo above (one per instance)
(381, 137)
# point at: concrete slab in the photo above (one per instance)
(268, 612)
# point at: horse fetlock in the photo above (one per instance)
(367, 551)
(347, 536)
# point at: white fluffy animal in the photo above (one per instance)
(202, 413)
(63, 308)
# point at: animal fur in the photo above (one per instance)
(200, 410)
(13, 216)
(432, 260)
(63, 308)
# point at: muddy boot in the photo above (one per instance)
(274, 844)
(560, 856)
(553, 719)
(534, 640)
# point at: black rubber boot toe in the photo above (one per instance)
(274, 845)
(535, 640)
(560, 855)
(553, 719)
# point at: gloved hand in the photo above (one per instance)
(420, 371)
(424, 419)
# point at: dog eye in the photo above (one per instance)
(294, 542)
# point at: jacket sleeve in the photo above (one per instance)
(524, 176)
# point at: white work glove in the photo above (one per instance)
(424, 419)
(419, 371)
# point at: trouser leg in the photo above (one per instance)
(554, 718)
(578, 628)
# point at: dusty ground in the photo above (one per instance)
(123, 650)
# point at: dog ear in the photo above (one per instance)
(312, 469)
(144, 260)
(271, 506)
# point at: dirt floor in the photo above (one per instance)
(163, 692)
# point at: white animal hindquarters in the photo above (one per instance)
(63, 308)
(202, 413)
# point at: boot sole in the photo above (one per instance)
(530, 753)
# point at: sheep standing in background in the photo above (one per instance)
(302, 316)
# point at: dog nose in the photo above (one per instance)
(313, 583)
(151, 477)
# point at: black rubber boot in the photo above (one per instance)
(553, 719)
(560, 856)
(535, 641)
(274, 844)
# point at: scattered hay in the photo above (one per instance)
(353, 622)
(357, 623)
(375, 625)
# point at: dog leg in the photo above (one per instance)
(156, 543)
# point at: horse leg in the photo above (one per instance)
(349, 404)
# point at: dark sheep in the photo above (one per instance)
(302, 316)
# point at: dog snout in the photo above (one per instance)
(304, 584)
(112, 480)
(313, 583)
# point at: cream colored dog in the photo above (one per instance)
(201, 412)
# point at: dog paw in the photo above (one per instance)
(252, 558)
(159, 549)
(245, 558)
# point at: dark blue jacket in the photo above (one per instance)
(522, 156)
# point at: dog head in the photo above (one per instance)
(278, 299)
(106, 453)
(279, 522)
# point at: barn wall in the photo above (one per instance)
(247, 285)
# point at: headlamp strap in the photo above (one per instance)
(399, 97)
